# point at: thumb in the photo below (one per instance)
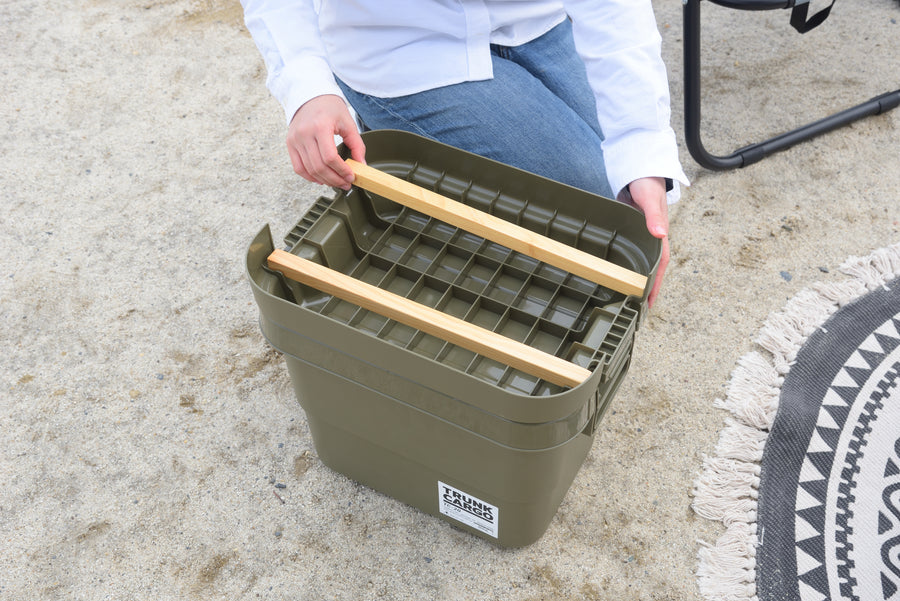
(657, 222)
(353, 141)
(650, 196)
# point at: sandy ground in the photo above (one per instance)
(145, 423)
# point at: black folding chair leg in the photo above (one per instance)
(748, 155)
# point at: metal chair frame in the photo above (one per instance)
(747, 155)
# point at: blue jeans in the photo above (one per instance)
(537, 113)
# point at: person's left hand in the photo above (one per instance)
(649, 194)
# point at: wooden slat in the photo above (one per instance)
(461, 333)
(498, 230)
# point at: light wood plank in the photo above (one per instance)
(452, 329)
(498, 230)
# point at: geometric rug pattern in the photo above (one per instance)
(806, 474)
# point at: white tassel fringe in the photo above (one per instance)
(726, 488)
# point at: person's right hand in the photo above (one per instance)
(310, 141)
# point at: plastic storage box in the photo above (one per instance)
(482, 445)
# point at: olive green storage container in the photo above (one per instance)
(488, 448)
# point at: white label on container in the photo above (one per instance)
(467, 509)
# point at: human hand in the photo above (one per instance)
(310, 141)
(649, 194)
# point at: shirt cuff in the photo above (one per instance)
(316, 78)
(644, 153)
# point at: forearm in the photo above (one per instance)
(287, 35)
(620, 45)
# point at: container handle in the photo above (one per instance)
(498, 230)
(431, 321)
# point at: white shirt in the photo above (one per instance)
(389, 48)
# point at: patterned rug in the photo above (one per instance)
(806, 476)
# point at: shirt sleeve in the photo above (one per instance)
(619, 42)
(286, 32)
